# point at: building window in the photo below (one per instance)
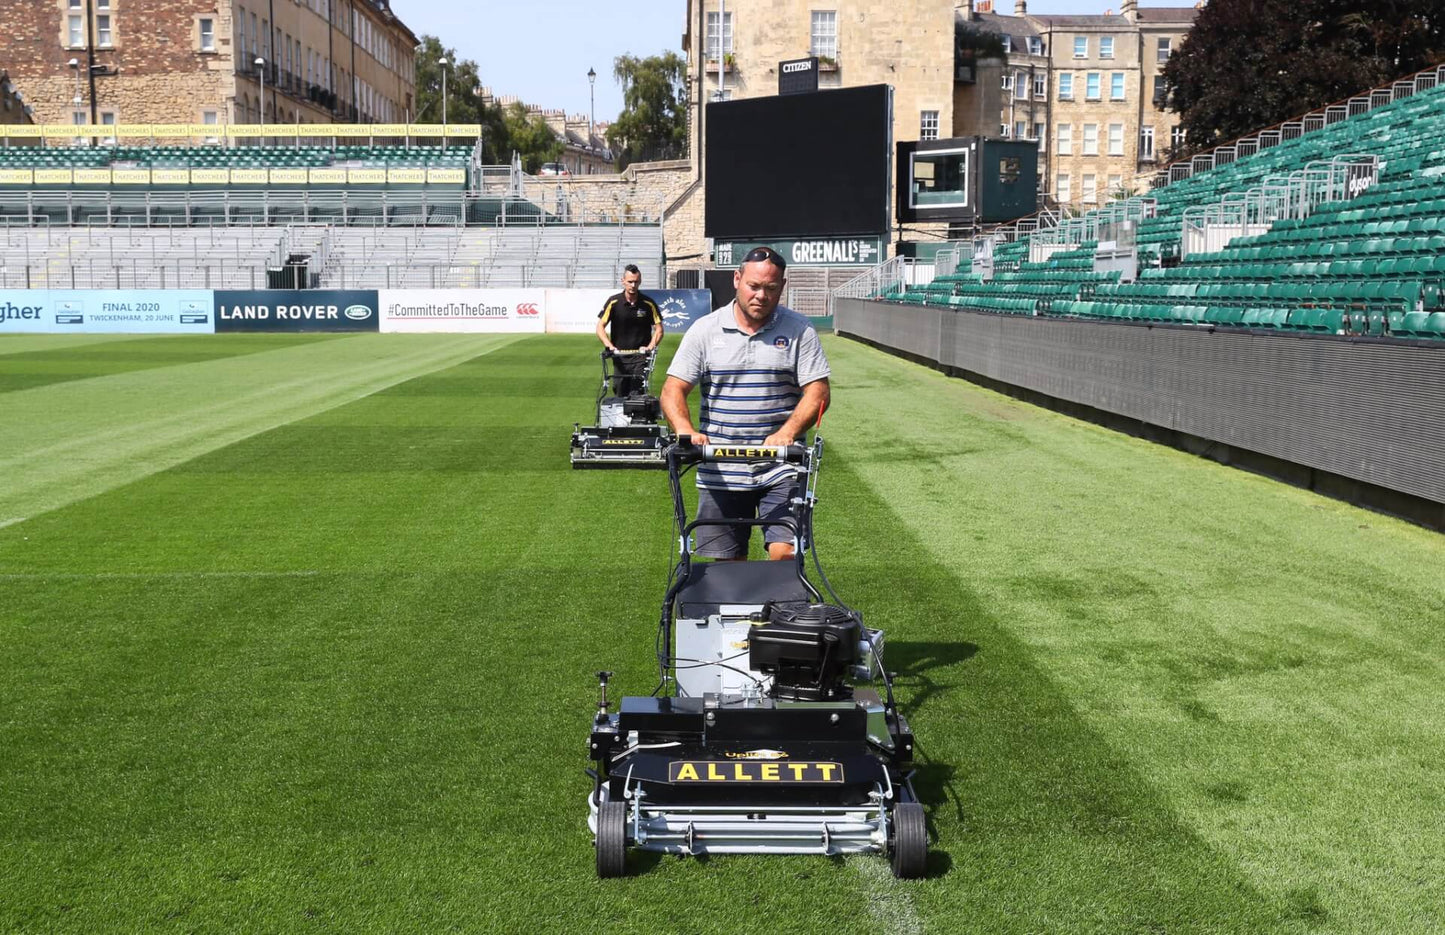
(1008, 81)
(1161, 92)
(1021, 84)
(75, 27)
(1091, 86)
(825, 34)
(719, 42)
(208, 34)
(1021, 130)
(1081, 47)
(928, 125)
(1106, 47)
(1066, 139)
(1116, 139)
(1091, 139)
(1066, 86)
(1036, 45)
(1176, 138)
(1116, 86)
(1061, 187)
(1090, 187)
(102, 30)
(1165, 44)
(1039, 135)
(1008, 44)
(1116, 186)
(108, 119)
(1041, 87)
(1146, 143)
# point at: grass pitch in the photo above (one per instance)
(298, 633)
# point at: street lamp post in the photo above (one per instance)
(591, 113)
(444, 63)
(261, 69)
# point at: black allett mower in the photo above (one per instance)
(627, 433)
(756, 740)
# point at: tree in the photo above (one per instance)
(464, 103)
(1250, 64)
(504, 130)
(653, 122)
(529, 135)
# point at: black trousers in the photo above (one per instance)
(627, 374)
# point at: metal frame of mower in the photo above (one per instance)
(638, 441)
(757, 739)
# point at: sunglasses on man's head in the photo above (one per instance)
(766, 254)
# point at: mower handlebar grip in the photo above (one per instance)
(788, 454)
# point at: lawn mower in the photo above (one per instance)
(626, 433)
(760, 737)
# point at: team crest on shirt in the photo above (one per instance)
(781, 342)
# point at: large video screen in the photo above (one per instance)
(799, 165)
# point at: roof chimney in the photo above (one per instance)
(1021, 8)
(1129, 9)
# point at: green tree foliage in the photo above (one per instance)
(530, 136)
(653, 122)
(503, 130)
(1250, 64)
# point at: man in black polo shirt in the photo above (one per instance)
(635, 323)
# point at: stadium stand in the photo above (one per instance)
(357, 216)
(1337, 230)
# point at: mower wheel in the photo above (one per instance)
(612, 839)
(910, 841)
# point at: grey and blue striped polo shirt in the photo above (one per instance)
(750, 384)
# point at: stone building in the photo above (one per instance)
(585, 150)
(195, 61)
(1090, 90)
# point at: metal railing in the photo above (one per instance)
(1100, 224)
(1208, 228)
(1293, 129)
(345, 207)
(889, 276)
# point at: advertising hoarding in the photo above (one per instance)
(471, 311)
(296, 310)
(106, 311)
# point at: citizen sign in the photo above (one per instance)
(792, 67)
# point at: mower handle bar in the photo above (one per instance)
(625, 352)
(789, 454)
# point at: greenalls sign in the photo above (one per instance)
(821, 251)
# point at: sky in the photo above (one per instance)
(540, 50)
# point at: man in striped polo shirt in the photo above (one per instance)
(764, 381)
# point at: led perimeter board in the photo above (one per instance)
(800, 165)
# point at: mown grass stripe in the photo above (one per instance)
(88, 361)
(1208, 625)
(30, 343)
(67, 441)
